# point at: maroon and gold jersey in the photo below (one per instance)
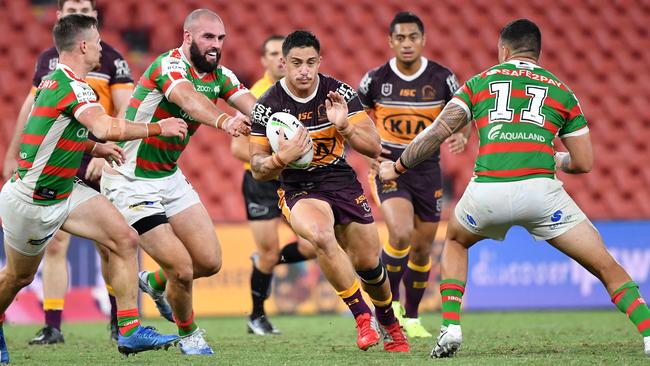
(328, 169)
(404, 105)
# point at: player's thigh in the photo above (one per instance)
(98, 220)
(162, 244)
(584, 244)
(399, 217)
(195, 230)
(457, 234)
(361, 242)
(20, 266)
(265, 234)
(313, 220)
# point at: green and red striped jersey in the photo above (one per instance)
(519, 108)
(53, 141)
(156, 157)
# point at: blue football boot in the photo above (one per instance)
(4, 354)
(195, 344)
(145, 339)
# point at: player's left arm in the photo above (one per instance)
(452, 119)
(358, 129)
(121, 95)
(239, 147)
(579, 159)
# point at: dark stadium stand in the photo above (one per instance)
(603, 58)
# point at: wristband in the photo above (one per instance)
(277, 162)
(153, 129)
(89, 149)
(401, 169)
(218, 123)
(347, 131)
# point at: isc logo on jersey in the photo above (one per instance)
(496, 134)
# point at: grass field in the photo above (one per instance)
(523, 338)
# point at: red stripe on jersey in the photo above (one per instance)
(514, 172)
(164, 145)
(25, 164)
(192, 127)
(451, 315)
(166, 86)
(452, 286)
(230, 93)
(152, 165)
(505, 147)
(135, 103)
(638, 301)
(32, 139)
(517, 93)
(574, 112)
(70, 145)
(45, 112)
(60, 171)
(65, 101)
(643, 325)
(161, 113)
(154, 75)
(76, 108)
(176, 76)
(548, 125)
(72, 75)
(147, 83)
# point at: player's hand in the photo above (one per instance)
(292, 149)
(94, 170)
(456, 143)
(109, 151)
(236, 125)
(387, 171)
(173, 127)
(375, 163)
(9, 167)
(337, 110)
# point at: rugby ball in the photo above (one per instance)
(289, 124)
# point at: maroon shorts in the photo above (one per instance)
(348, 204)
(422, 188)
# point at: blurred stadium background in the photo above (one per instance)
(597, 47)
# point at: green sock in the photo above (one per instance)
(186, 327)
(157, 280)
(628, 300)
(128, 321)
(451, 292)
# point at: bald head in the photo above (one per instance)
(197, 15)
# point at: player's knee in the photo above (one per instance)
(322, 237)
(57, 247)
(269, 255)
(402, 236)
(207, 268)
(21, 280)
(420, 252)
(182, 275)
(126, 240)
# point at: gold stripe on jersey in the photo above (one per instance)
(260, 140)
(399, 122)
(358, 117)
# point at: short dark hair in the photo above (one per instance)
(60, 3)
(68, 28)
(405, 17)
(300, 39)
(522, 36)
(275, 37)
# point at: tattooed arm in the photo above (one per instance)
(452, 118)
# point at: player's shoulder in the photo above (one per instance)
(329, 83)
(47, 55)
(379, 72)
(436, 68)
(273, 95)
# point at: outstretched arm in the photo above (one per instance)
(452, 118)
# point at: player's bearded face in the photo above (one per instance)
(206, 61)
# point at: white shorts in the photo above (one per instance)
(140, 198)
(540, 205)
(29, 227)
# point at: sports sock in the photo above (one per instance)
(384, 311)
(354, 300)
(416, 279)
(111, 298)
(157, 280)
(395, 261)
(186, 327)
(628, 300)
(290, 254)
(128, 321)
(451, 292)
(53, 309)
(260, 289)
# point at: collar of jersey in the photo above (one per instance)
(515, 62)
(68, 71)
(194, 70)
(283, 83)
(393, 66)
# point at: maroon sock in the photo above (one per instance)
(53, 319)
(416, 279)
(395, 261)
(354, 300)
